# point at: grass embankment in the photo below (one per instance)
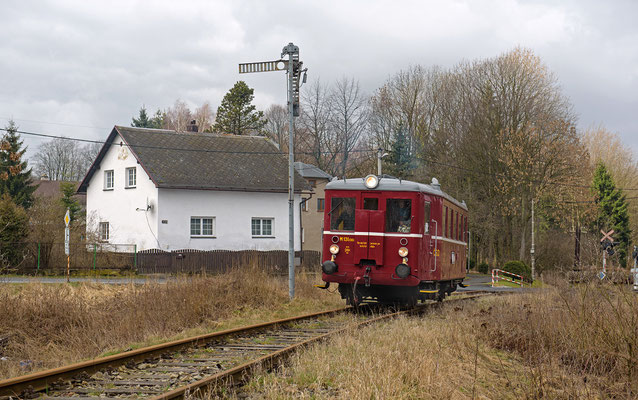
(561, 343)
(50, 325)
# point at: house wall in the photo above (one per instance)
(312, 219)
(233, 213)
(118, 206)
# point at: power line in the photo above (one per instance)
(142, 146)
(199, 150)
(53, 123)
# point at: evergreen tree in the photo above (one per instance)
(400, 162)
(13, 230)
(67, 200)
(612, 210)
(143, 121)
(237, 114)
(15, 178)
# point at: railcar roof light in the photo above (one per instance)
(371, 181)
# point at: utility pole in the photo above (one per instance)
(380, 155)
(533, 250)
(293, 68)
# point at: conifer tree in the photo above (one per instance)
(143, 121)
(237, 114)
(612, 210)
(15, 177)
(400, 162)
(67, 200)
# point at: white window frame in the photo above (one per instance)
(104, 231)
(107, 173)
(261, 227)
(127, 177)
(304, 205)
(200, 225)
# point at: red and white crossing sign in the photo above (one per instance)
(607, 236)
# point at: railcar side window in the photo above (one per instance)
(342, 214)
(426, 217)
(398, 215)
(445, 232)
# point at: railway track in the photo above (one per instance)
(191, 366)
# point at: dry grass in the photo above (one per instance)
(590, 330)
(52, 325)
(560, 343)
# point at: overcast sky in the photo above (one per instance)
(76, 68)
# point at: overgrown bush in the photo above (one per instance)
(484, 268)
(519, 268)
(13, 231)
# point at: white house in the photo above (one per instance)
(161, 189)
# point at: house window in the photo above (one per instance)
(108, 180)
(131, 177)
(304, 205)
(321, 204)
(202, 226)
(312, 182)
(262, 227)
(104, 231)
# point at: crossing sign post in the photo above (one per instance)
(606, 241)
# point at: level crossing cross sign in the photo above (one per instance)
(607, 236)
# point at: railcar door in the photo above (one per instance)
(369, 226)
(427, 252)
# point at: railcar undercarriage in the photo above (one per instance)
(405, 295)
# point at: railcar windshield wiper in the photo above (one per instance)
(335, 207)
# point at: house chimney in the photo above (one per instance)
(192, 127)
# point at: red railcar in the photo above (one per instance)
(393, 240)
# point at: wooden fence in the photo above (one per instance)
(217, 261)
(49, 258)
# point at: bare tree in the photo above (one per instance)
(58, 159)
(316, 137)
(178, 117)
(348, 119)
(204, 117)
(277, 125)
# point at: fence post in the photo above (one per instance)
(94, 255)
(135, 256)
(38, 269)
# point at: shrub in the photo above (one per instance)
(13, 231)
(519, 268)
(484, 268)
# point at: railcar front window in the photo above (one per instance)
(398, 215)
(342, 214)
(370, 203)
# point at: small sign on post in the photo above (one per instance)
(67, 239)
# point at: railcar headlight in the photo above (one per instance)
(334, 249)
(403, 251)
(371, 181)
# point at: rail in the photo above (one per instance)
(181, 368)
(496, 277)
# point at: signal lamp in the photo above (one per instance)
(334, 249)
